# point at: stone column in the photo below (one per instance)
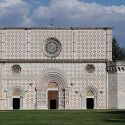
(67, 98)
(42, 99)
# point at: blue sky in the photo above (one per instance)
(104, 2)
(65, 13)
(107, 2)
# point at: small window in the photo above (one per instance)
(90, 68)
(119, 69)
(16, 69)
(123, 69)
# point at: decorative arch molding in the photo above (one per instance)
(18, 89)
(91, 90)
(15, 92)
(54, 70)
(57, 76)
(53, 75)
(116, 69)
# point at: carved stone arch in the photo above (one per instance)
(92, 88)
(16, 91)
(54, 75)
(48, 76)
(91, 94)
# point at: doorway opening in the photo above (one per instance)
(16, 103)
(91, 99)
(90, 103)
(52, 99)
(53, 104)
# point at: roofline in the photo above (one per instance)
(54, 28)
(122, 60)
(118, 60)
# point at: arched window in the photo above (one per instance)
(119, 69)
(123, 69)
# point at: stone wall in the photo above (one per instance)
(77, 47)
(121, 84)
(91, 43)
(0, 86)
(116, 78)
(77, 78)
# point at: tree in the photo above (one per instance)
(118, 53)
(122, 53)
(115, 49)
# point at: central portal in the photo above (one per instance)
(53, 99)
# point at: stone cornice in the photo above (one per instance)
(53, 61)
(54, 28)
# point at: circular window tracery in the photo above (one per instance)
(90, 68)
(16, 69)
(51, 47)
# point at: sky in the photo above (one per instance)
(63, 13)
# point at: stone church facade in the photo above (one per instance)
(59, 68)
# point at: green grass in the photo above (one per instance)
(63, 117)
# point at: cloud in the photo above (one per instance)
(8, 3)
(14, 13)
(74, 12)
(64, 13)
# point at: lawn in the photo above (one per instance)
(63, 117)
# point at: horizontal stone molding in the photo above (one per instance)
(53, 61)
(53, 28)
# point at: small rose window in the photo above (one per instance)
(16, 69)
(51, 47)
(90, 68)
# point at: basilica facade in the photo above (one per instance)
(59, 68)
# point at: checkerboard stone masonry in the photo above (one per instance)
(79, 47)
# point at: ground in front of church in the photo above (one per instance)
(62, 117)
